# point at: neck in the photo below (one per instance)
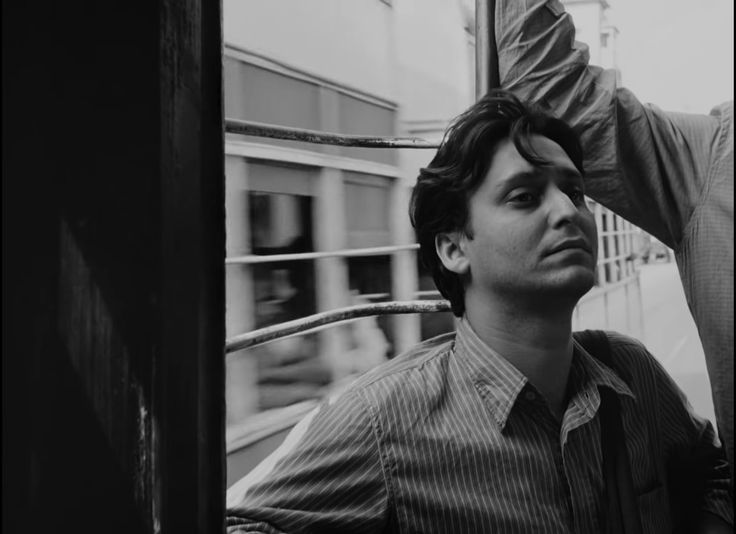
(536, 339)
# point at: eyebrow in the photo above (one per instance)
(538, 173)
(521, 176)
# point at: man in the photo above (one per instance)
(494, 428)
(669, 173)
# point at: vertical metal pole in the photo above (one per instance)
(486, 54)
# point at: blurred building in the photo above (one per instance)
(592, 27)
(372, 67)
(365, 67)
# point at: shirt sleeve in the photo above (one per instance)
(647, 165)
(698, 473)
(327, 476)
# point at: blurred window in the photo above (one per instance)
(257, 94)
(367, 213)
(359, 117)
(288, 370)
(281, 224)
(370, 281)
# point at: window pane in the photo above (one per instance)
(367, 210)
(257, 94)
(359, 117)
(288, 370)
(370, 281)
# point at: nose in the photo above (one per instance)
(562, 210)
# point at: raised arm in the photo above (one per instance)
(647, 165)
(326, 477)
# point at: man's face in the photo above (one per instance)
(532, 232)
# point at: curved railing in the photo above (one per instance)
(310, 322)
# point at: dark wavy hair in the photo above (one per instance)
(439, 200)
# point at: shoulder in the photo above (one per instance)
(394, 383)
(423, 359)
(632, 359)
(620, 345)
(623, 344)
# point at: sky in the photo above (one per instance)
(677, 54)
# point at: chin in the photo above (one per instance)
(583, 287)
(574, 283)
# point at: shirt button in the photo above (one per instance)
(530, 396)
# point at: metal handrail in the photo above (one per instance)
(349, 253)
(271, 333)
(259, 129)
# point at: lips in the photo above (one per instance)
(574, 243)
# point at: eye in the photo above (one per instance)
(523, 197)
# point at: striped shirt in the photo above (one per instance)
(668, 173)
(450, 437)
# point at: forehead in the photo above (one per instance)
(506, 160)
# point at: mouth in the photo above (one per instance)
(571, 244)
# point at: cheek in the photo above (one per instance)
(591, 231)
(512, 244)
(588, 224)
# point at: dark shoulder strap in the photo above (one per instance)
(622, 513)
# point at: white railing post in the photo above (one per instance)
(240, 378)
(611, 243)
(404, 276)
(331, 274)
(598, 213)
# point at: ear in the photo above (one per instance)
(450, 249)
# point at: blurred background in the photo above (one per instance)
(405, 68)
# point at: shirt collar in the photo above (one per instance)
(497, 380)
(500, 383)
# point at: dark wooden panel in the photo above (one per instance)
(113, 276)
(192, 285)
